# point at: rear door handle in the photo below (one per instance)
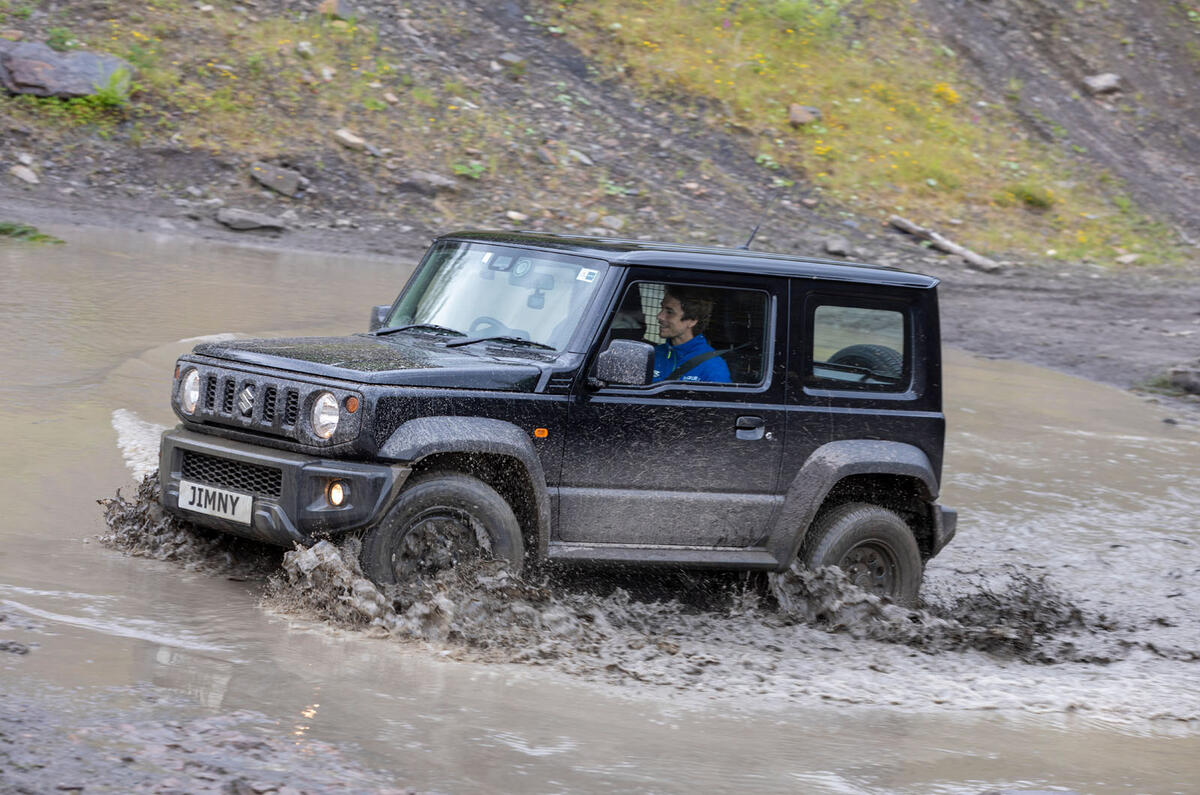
(750, 429)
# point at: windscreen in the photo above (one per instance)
(486, 290)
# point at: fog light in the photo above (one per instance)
(337, 493)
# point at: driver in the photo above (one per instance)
(686, 355)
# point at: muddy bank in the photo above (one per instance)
(44, 747)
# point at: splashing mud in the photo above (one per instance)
(800, 633)
(140, 527)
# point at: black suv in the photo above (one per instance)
(590, 400)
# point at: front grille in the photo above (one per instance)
(268, 412)
(227, 399)
(236, 475)
(291, 409)
(210, 392)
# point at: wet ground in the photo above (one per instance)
(1057, 647)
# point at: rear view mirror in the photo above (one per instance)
(627, 362)
(379, 316)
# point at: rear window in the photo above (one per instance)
(859, 347)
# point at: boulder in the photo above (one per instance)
(800, 115)
(1185, 377)
(242, 220)
(33, 68)
(25, 174)
(279, 179)
(1106, 83)
(425, 183)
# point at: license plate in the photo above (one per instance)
(199, 498)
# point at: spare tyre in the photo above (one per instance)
(879, 359)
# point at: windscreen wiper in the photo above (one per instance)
(512, 340)
(422, 327)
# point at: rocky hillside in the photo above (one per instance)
(377, 119)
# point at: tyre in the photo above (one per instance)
(439, 519)
(873, 545)
(876, 358)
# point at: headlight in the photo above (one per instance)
(325, 415)
(189, 391)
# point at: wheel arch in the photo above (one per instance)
(894, 475)
(497, 452)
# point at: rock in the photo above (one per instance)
(327, 73)
(1185, 377)
(800, 115)
(12, 35)
(580, 157)
(510, 59)
(390, 98)
(244, 219)
(1106, 83)
(25, 174)
(305, 49)
(25, 159)
(426, 183)
(34, 68)
(279, 179)
(1128, 259)
(349, 140)
(809, 201)
(513, 215)
(837, 245)
(613, 222)
(339, 9)
(546, 155)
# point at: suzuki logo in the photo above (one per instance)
(246, 400)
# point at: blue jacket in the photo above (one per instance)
(668, 357)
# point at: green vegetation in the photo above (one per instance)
(900, 131)
(25, 232)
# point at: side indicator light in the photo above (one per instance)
(351, 404)
(541, 433)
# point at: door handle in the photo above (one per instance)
(750, 429)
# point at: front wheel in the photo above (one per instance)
(439, 519)
(872, 545)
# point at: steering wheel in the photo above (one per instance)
(485, 324)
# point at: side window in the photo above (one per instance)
(701, 334)
(858, 347)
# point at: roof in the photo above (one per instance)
(671, 255)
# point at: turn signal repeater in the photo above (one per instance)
(541, 433)
(351, 404)
(337, 493)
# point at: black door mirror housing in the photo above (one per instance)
(379, 316)
(626, 362)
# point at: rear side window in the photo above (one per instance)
(858, 347)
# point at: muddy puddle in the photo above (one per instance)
(1056, 645)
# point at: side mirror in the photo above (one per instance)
(626, 362)
(379, 316)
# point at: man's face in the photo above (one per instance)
(671, 324)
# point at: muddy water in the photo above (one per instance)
(1054, 477)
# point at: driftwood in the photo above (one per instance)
(942, 244)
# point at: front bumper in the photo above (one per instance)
(288, 489)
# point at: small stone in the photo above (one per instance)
(809, 201)
(800, 115)
(390, 98)
(546, 155)
(305, 49)
(837, 245)
(194, 192)
(339, 9)
(613, 222)
(349, 140)
(279, 179)
(327, 73)
(1128, 259)
(510, 59)
(580, 157)
(513, 215)
(1106, 83)
(244, 219)
(205, 9)
(25, 174)
(25, 159)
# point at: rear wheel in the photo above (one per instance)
(873, 545)
(440, 519)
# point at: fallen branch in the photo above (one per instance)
(942, 244)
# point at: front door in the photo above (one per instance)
(693, 459)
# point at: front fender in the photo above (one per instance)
(425, 436)
(829, 464)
